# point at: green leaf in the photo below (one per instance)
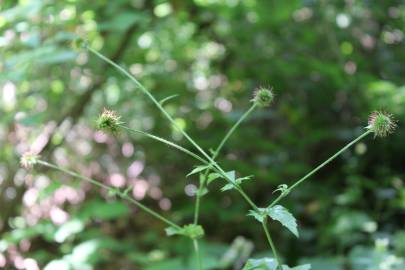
(299, 267)
(190, 230)
(270, 264)
(282, 215)
(167, 99)
(235, 181)
(227, 187)
(171, 231)
(231, 176)
(213, 176)
(260, 264)
(259, 216)
(197, 170)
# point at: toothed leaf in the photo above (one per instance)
(282, 215)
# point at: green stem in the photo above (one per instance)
(273, 247)
(198, 200)
(197, 254)
(232, 130)
(151, 97)
(215, 154)
(172, 144)
(299, 181)
(171, 120)
(106, 187)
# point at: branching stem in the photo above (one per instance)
(214, 155)
(216, 167)
(106, 187)
(305, 177)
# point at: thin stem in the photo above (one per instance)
(118, 192)
(232, 130)
(197, 254)
(299, 181)
(151, 97)
(198, 200)
(273, 247)
(171, 120)
(172, 144)
(215, 154)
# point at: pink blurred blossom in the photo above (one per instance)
(117, 180)
(140, 188)
(135, 168)
(30, 197)
(58, 216)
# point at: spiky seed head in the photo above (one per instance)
(109, 121)
(28, 160)
(381, 124)
(263, 97)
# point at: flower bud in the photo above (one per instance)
(263, 97)
(381, 124)
(109, 121)
(28, 160)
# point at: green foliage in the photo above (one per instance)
(190, 230)
(330, 62)
(278, 213)
(197, 170)
(270, 264)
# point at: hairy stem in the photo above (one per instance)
(215, 154)
(151, 97)
(299, 181)
(106, 187)
(172, 144)
(273, 247)
(171, 120)
(232, 130)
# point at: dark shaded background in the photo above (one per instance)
(330, 62)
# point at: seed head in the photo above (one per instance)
(381, 123)
(263, 97)
(109, 121)
(28, 160)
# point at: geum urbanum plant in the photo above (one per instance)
(380, 124)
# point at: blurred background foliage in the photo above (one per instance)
(330, 62)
